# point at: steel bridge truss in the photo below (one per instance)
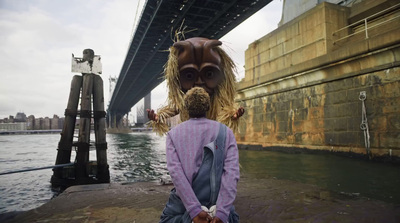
(148, 50)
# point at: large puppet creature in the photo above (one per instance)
(198, 62)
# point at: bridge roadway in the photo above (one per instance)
(148, 51)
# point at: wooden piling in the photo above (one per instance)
(103, 174)
(84, 171)
(67, 134)
(82, 156)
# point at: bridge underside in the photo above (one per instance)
(148, 51)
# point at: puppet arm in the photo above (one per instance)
(230, 117)
(159, 121)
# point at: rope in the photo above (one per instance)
(39, 168)
(364, 123)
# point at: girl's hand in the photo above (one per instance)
(202, 217)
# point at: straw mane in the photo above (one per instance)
(222, 101)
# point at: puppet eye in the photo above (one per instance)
(189, 75)
(209, 74)
(187, 78)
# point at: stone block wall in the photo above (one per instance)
(315, 104)
(297, 41)
(327, 116)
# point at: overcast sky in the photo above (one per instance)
(38, 37)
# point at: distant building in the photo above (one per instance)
(38, 124)
(20, 117)
(141, 110)
(54, 122)
(46, 123)
(30, 122)
(19, 126)
(5, 120)
(61, 123)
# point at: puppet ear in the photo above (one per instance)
(186, 53)
(212, 43)
(209, 54)
(182, 45)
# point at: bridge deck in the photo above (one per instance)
(147, 53)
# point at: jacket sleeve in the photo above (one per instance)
(230, 178)
(181, 183)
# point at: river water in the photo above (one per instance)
(141, 157)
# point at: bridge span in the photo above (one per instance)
(148, 51)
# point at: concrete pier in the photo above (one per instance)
(303, 82)
(258, 200)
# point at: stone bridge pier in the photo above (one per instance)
(116, 122)
(312, 82)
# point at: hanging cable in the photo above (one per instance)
(39, 168)
(364, 122)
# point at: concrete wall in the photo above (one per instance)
(309, 97)
(307, 37)
(293, 8)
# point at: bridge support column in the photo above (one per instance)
(115, 123)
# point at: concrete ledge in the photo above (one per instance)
(258, 200)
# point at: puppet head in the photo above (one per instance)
(200, 62)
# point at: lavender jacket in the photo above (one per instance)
(184, 147)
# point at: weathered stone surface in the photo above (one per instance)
(258, 200)
(314, 101)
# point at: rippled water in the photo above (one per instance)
(132, 157)
(141, 157)
(343, 175)
(136, 157)
(26, 190)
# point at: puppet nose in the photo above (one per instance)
(199, 81)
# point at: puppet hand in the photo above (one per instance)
(152, 115)
(238, 113)
(202, 217)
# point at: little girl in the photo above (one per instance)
(203, 161)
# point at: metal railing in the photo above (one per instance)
(365, 23)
